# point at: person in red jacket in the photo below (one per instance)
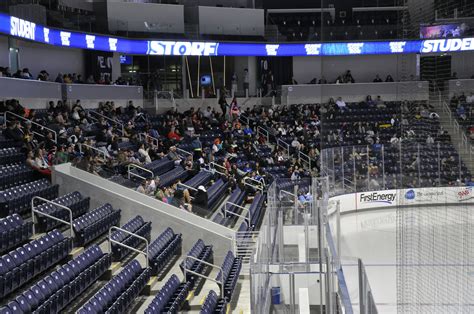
(174, 135)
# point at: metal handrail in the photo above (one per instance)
(265, 132)
(33, 211)
(221, 282)
(286, 192)
(244, 119)
(137, 175)
(110, 119)
(235, 214)
(145, 253)
(184, 151)
(154, 140)
(212, 166)
(187, 186)
(308, 161)
(55, 139)
(259, 186)
(93, 148)
(284, 145)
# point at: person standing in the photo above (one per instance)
(223, 101)
(246, 80)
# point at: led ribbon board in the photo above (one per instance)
(17, 27)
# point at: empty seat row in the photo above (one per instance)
(175, 175)
(202, 178)
(18, 199)
(16, 174)
(236, 198)
(24, 263)
(199, 252)
(160, 166)
(256, 210)
(170, 298)
(11, 155)
(74, 201)
(14, 231)
(215, 193)
(119, 293)
(95, 223)
(137, 226)
(214, 304)
(229, 274)
(162, 250)
(53, 293)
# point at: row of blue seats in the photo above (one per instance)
(74, 201)
(24, 263)
(172, 176)
(95, 223)
(18, 199)
(119, 293)
(226, 218)
(58, 289)
(170, 298)
(159, 166)
(229, 275)
(11, 155)
(202, 178)
(214, 304)
(216, 193)
(199, 252)
(137, 226)
(162, 250)
(16, 174)
(14, 231)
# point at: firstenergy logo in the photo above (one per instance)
(377, 197)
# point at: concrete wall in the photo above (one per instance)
(231, 21)
(396, 91)
(363, 68)
(37, 57)
(32, 94)
(461, 86)
(132, 203)
(91, 95)
(161, 18)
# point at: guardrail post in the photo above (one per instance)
(145, 253)
(33, 211)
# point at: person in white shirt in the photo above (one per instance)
(207, 114)
(341, 104)
(470, 98)
(295, 143)
(144, 153)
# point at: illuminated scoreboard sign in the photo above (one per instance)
(17, 27)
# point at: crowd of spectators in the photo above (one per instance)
(67, 78)
(347, 78)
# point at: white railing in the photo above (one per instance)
(117, 122)
(143, 137)
(304, 159)
(284, 145)
(245, 243)
(5, 120)
(38, 212)
(145, 253)
(93, 148)
(213, 166)
(264, 132)
(134, 166)
(184, 152)
(220, 283)
(231, 213)
(253, 183)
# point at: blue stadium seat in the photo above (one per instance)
(14, 231)
(229, 274)
(21, 265)
(74, 201)
(170, 298)
(18, 198)
(95, 223)
(119, 293)
(162, 250)
(201, 252)
(136, 225)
